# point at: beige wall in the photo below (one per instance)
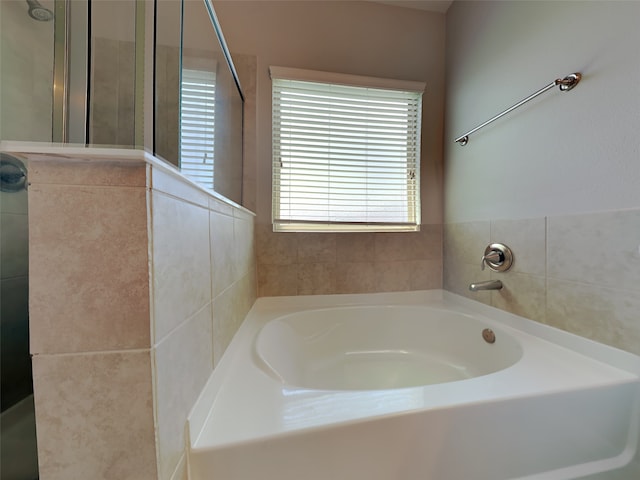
(562, 153)
(556, 180)
(356, 38)
(138, 281)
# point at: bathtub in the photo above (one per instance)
(380, 347)
(413, 386)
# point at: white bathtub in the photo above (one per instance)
(380, 347)
(404, 387)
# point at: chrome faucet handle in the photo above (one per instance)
(494, 256)
(498, 257)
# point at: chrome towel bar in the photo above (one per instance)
(565, 84)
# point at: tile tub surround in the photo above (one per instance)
(139, 279)
(203, 271)
(576, 272)
(327, 263)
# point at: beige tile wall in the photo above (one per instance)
(74, 235)
(576, 272)
(89, 320)
(139, 279)
(203, 273)
(93, 415)
(326, 263)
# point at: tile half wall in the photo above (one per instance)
(139, 279)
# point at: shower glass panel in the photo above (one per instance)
(18, 453)
(211, 109)
(113, 73)
(166, 135)
(87, 81)
(26, 55)
(198, 102)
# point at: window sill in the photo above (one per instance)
(342, 227)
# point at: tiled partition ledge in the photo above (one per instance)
(580, 273)
(138, 280)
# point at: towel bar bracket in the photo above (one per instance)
(568, 82)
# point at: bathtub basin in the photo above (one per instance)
(313, 388)
(381, 347)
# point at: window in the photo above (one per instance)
(197, 125)
(346, 152)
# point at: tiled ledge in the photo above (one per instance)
(38, 153)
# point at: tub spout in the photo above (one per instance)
(488, 285)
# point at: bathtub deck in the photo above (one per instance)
(576, 400)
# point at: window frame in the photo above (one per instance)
(411, 165)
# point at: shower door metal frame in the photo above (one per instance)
(72, 44)
(72, 71)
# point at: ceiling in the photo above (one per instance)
(439, 6)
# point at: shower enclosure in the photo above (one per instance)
(26, 53)
(109, 74)
(18, 457)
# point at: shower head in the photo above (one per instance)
(38, 12)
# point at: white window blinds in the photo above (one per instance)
(345, 156)
(197, 125)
